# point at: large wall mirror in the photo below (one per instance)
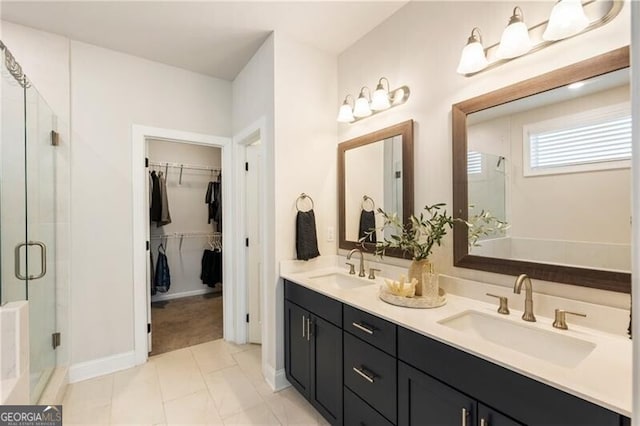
(550, 157)
(374, 171)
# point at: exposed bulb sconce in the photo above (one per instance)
(361, 108)
(345, 115)
(473, 58)
(369, 104)
(568, 18)
(515, 39)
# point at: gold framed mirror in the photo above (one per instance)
(374, 171)
(554, 164)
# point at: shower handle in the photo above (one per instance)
(43, 260)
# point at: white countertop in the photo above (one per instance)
(604, 377)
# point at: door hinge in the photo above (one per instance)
(398, 174)
(246, 166)
(146, 162)
(55, 138)
(148, 327)
(55, 339)
(247, 317)
(246, 242)
(148, 245)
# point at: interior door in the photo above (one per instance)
(42, 185)
(254, 250)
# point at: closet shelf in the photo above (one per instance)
(187, 235)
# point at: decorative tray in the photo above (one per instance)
(417, 302)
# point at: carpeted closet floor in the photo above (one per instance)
(179, 323)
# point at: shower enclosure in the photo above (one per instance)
(30, 182)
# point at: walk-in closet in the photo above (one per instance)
(185, 235)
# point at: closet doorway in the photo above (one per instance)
(185, 264)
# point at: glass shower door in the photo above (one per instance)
(13, 220)
(41, 239)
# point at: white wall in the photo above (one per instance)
(408, 48)
(305, 154)
(110, 92)
(189, 213)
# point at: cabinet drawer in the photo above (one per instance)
(371, 329)
(371, 374)
(358, 412)
(521, 398)
(322, 306)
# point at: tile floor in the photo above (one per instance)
(214, 383)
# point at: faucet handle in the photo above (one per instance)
(504, 304)
(352, 268)
(372, 273)
(560, 320)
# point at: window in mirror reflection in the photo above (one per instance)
(555, 167)
(375, 171)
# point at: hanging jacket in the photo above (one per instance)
(155, 209)
(208, 199)
(165, 216)
(162, 278)
(217, 203)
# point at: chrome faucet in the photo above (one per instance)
(361, 274)
(528, 300)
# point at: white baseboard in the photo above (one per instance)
(162, 297)
(276, 379)
(101, 366)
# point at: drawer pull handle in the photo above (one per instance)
(361, 327)
(465, 415)
(308, 329)
(303, 325)
(365, 375)
(483, 422)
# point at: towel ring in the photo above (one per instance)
(364, 201)
(302, 197)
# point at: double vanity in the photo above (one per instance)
(359, 360)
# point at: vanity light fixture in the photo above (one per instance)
(473, 58)
(369, 104)
(345, 115)
(568, 18)
(361, 108)
(515, 39)
(380, 98)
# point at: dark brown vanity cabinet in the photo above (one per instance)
(313, 350)
(358, 369)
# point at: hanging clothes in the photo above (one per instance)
(155, 210)
(208, 199)
(217, 203)
(165, 216)
(162, 279)
(211, 273)
(152, 275)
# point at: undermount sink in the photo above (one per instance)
(564, 351)
(342, 281)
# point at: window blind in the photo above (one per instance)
(474, 162)
(608, 139)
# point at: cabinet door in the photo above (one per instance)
(490, 417)
(424, 401)
(297, 344)
(326, 369)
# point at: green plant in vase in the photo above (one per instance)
(417, 238)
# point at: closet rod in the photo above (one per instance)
(188, 235)
(183, 166)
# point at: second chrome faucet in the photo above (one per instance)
(528, 299)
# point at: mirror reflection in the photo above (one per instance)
(373, 179)
(375, 171)
(555, 167)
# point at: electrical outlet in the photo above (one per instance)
(331, 233)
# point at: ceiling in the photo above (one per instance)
(208, 37)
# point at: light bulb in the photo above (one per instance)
(515, 39)
(380, 98)
(361, 108)
(473, 58)
(567, 19)
(345, 115)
